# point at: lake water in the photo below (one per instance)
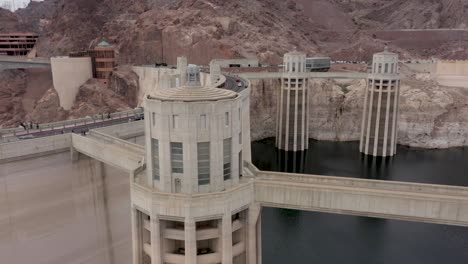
(292, 237)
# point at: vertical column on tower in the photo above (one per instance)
(379, 127)
(190, 241)
(292, 117)
(253, 239)
(226, 238)
(182, 68)
(215, 71)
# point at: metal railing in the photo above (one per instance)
(66, 126)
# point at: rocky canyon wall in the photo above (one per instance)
(431, 116)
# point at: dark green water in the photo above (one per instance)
(307, 237)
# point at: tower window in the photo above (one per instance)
(177, 157)
(386, 68)
(154, 118)
(175, 121)
(226, 118)
(240, 137)
(203, 155)
(155, 144)
(203, 121)
(227, 158)
(241, 164)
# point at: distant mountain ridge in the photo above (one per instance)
(146, 31)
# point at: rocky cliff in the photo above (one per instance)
(145, 31)
(28, 95)
(431, 116)
(8, 21)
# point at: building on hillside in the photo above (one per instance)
(102, 58)
(381, 102)
(18, 44)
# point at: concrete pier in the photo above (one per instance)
(380, 113)
(292, 128)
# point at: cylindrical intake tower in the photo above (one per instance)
(380, 115)
(192, 205)
(292, 127)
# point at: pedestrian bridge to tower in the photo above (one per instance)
(373, 198)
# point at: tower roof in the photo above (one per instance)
(386, 52)
(104, 44)
(295, 53)
(193, 94)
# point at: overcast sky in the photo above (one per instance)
(16, 3)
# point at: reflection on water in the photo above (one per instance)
(448, 166)
(297, 237)
(54, 211)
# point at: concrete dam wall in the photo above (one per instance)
(76, 212)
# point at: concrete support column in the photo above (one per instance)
(227, 239)
(252, 244)
(156, 256)
(259, 238)
(136, 243)
(190, 242)
(74, 154)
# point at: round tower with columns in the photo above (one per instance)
(379, 128)
(192, 205)
(292, 131)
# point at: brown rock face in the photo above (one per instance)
(48, 109)
(28, 95)
(95, 98)
(8, 21)
(124, 82)
(145, 32)
(11, 91)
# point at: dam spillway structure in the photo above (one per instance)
(379, 128)
(293, 101)
(196, 206)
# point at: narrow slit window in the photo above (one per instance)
(177, 154)
(175, 121)
(203, 155)
(226, 119)
(203, 121)
(155, 156)
(227, 158)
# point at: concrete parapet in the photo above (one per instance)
(110, 150)
(124, 131)
(383, 199)
(34, 147)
